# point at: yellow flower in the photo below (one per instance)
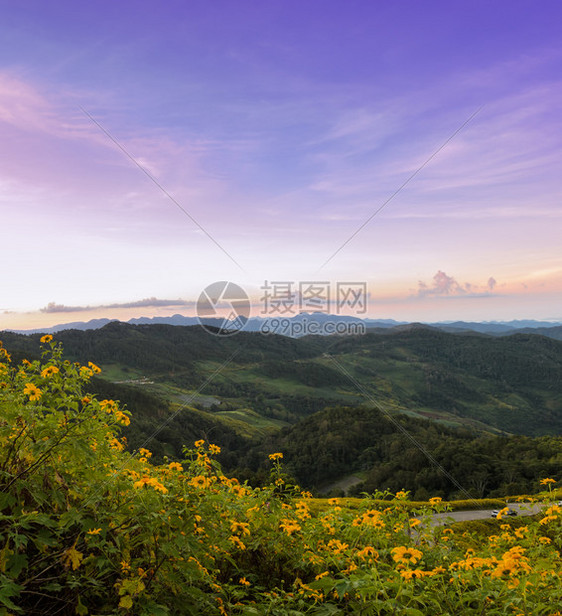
(107, 405)
(337, 546)
(175, 466)
(289, 526)
(414, 522)
(545, 540)
(371, 514)
(199, 443)
(158, 486)
(515, 552)
(141, 482)
(546, 481)
(240, 528)
(33, 392)
(237, 542)
(302, 510)
(94, 531)
(150, 481)
(200, 482)
(506, 568)
(86, 372)
(275, 456)
(435, 500)
(244, 581)
(116, 444)
(145, 453)
(122, 418)
(49, 371)
(368, 552)
(406, 555)
(240, 491)
(502, 512)
(203, 460)
(401, 495)
(408, 574)
(214, 449)
(95, 369)
(46, 339)
(374, 522)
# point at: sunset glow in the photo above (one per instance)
(149, 150)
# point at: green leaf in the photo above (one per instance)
(16, 563)
(20, 541)
(81, 609)
(126, 602)
(6, 500)
(9, 590)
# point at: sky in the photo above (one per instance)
(149, 149)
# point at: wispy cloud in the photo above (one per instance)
(151, 302)
(507, 159)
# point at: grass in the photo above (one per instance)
(253, 419)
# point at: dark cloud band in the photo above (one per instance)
(151, 302)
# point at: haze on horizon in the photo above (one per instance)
(280, 129)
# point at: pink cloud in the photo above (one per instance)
(443, 285)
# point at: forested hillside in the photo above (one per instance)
(395, 454)
(334, 405)
(88, 528)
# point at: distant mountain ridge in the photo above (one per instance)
(511, 383)
(550, 329)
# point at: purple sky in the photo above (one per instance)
(281, 127)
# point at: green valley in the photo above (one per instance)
(338, 406)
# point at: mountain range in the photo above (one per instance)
(551, 329)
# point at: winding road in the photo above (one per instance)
(486, 514)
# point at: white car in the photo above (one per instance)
(496, 512)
